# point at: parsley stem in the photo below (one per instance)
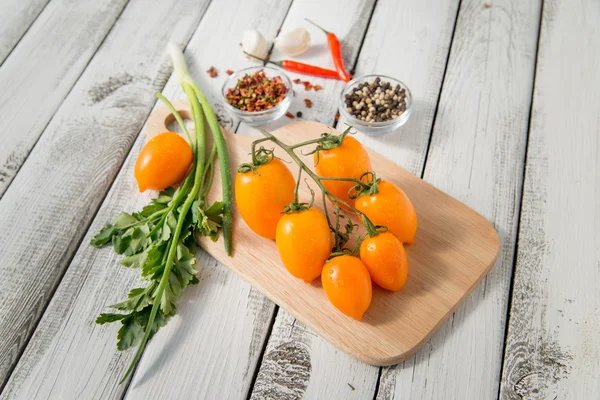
(174, 239)
(146, 220)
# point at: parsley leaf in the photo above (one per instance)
(210, 220)
(104, 236)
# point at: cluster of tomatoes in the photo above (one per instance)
(304, 237)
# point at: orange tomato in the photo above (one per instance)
(262, 194)
(350, 160)
(385, 258)
(347, 284)
(163, 161)
(392, 208)
(304, 243)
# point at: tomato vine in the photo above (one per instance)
(343, 227)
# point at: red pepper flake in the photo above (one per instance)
(257, 92)
(307, 86)
(317, 87)
(337, 116)
(212, 72)
(228, 71)
(289, 115)
(297, 81)
(308, 103)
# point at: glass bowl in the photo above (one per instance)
(256, 118)
(375, 128)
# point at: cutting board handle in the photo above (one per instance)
(162, 116)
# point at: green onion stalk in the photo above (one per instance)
(196, 185)
(219, 141)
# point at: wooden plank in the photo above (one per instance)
(17, 17)
(41, 71)
(218, 335)
(476, 154)
(552, 347)
(48, 208)
(428, 52)
(297, 363)
(222, 318)
(350, 24)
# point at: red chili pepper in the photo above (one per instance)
(336, 53)
(301, 68)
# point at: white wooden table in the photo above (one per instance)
(505, 119)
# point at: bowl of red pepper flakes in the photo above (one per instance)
(258, 95)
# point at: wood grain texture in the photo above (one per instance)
(476, 154)
(426, 31)
(454, 249)
(413, 49)
(42, 69)
(222, 324)
(350, 25)
(223, 319)
(552, 347)
(333, 369)
(48, 208)
(17, 17)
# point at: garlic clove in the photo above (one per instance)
(293, 43)
(254, 43)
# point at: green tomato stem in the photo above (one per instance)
(310, 173)
(318, 180)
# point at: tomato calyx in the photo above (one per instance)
(296, 206)
(372, 229)
(346, 251)
(329, 141)
(259, 158)
(367, 186)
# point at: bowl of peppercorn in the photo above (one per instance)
(258, 95)
(375, 104)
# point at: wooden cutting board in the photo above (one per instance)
(455, 247)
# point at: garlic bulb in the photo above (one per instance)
(254, 43)
(293, 43)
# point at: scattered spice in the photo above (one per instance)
(257, 92)
(337, 116)
(351, 387)
(299, 114)
(241, 44)
(289, 115)
(486, 5)
(377, 101)
(308, 103)
(308, 85)
(228, 71)
(212, 72)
